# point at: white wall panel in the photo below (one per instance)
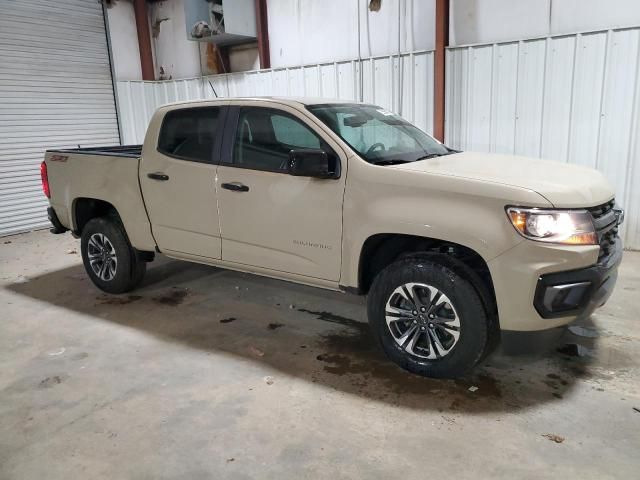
(308, 32)
(125, 51)
(486, 21)
(587, 98)
(557, 99)
(416, 101)
(382, 85)
(568, 16)
(572, 98)
(280, 83)
(531, 73)
(479, 110)
(473, 21)
(311, 83)
(616, 111)
(138, 100)
(347, 80)
(504, 80)
(633, 177)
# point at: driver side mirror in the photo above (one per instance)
(314, 163)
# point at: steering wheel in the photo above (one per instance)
(375, 147)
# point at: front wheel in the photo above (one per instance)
(427, 318)
(110, 261)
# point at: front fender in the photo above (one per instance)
(387, 200)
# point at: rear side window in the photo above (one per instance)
(189, 134)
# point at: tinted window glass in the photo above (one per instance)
(291, 132)
(265, 137)
(189, 134)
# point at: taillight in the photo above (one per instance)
(45, 179)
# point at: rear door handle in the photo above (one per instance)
(158, 176)
(235, 187)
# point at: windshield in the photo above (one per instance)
(380, 137)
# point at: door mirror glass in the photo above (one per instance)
(311, 163)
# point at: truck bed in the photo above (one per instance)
(107, 174)
(133, 151)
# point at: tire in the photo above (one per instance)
(105, 243)
(429, 347)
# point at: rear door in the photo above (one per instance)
(177, 177)
(270, 219)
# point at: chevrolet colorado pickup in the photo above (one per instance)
(457, 251)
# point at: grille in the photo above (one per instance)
(606, 223)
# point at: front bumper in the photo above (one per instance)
(578, 292)
(566, 296)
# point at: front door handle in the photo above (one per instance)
(235, 187)
(158, 176)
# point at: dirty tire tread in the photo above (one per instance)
(465, 298)
(130, 270)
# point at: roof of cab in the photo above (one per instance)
(281, 100)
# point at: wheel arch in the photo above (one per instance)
(381, 250)
(85, 209)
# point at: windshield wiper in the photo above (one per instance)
(434, 155)
(396, 161)
(391, 161)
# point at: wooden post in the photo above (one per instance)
(262, 32)
(442, 41)
(144, 39)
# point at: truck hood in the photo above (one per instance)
(562, 184)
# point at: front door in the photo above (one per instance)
(270, 219)
(178, 183)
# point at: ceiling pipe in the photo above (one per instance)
(262, 33)
(442, 42)
(144, 39)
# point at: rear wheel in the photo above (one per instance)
(427, 318)
(110, 261)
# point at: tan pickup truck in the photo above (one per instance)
(455, 250)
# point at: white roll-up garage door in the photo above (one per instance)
(55, 92)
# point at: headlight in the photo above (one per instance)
(569, 227)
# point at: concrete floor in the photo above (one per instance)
(204, 373)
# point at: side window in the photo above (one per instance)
(265, 137)
(291, 132)
(189, 134)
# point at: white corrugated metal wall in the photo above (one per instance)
(573, 98)
(380, 75)
(55, 91)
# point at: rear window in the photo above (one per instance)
(189, 134)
